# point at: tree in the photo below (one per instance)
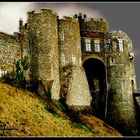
(22, 66)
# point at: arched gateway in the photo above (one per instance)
(96, 76)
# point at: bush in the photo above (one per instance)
(22, 66)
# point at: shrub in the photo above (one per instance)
(22, 66)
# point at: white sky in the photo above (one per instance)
(11, 12)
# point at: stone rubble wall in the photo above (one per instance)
(24, 40)
(78, 90)
(43, 32)
(9, 51)
(74, 87)
(65, 76)
(69, 42)
(93, 25)
(121, 108)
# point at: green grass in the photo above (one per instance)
(26, 112)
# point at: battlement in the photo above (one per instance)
(40, 11)
(92, 25)
(22, 26)
(7, 37)
(69, 18)
(96, 25)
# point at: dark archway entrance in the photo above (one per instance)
(96, 75)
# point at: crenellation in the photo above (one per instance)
(68, 18)
(79, 61)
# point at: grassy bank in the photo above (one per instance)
(25, 112)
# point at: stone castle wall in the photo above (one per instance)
(78, 94)
(69, 42)
(120, 92)
(43, 32)
(71, 70)
(24, 38)
(93, 29)
(10, 50)
(92, 25)
(57, 51)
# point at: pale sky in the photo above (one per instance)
(11, 12)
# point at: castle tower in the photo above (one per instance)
(93, 32)
(121, 83)
(74, 87)
(109, 65)
(43, 44)
(69, 41)
(23, 38)
(95, 66)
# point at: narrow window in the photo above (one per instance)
(112, 60)
(73, 59)
(132, 85)
(63, 59)
(62, 36)
(108, 45)
(120, 45)
(97, 45)
(88, 45)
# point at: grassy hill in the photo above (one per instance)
(24, 113)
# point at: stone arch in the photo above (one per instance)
(94, 57)
(96, 75)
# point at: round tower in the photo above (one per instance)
(121, 83)
(43, 44)
(74, 87)
(69, 41)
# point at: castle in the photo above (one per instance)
(79, 60)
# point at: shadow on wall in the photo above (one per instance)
(95, 72)
(137, 107)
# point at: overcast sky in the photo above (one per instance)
(120, 16)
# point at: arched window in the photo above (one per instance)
(112, 60)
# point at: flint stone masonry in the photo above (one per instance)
(75, 94)
(43, 28)
(10, 50)
(57, 52)
(120, 75)
(78, 94)
(69, 42)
